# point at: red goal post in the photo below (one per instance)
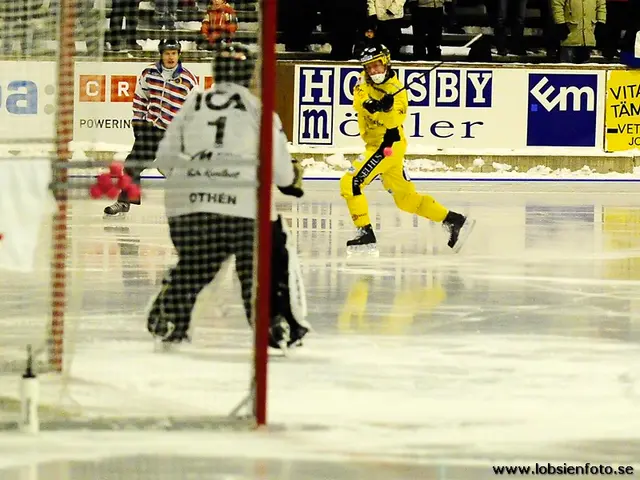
(67, 189)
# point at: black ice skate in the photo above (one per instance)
(171, 342)
(364, 242)
(118, 209)
(459, 228)
(280, 334)
(171, 339)
(165, 333)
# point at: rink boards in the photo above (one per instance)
(561, 110)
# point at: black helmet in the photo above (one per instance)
(169, 44)
(233, 63)
(373, 53)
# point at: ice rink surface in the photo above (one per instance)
(423, 364)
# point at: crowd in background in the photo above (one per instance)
(23, 22)
(565, 30)
(570, 30)
(219, 21)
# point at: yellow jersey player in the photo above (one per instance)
(381, 103)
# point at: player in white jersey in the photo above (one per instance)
(210, 154)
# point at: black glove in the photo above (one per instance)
(372, 106)
(295, 189)
(599, 32)
(562, 31)
(386, 102)
(390, 136)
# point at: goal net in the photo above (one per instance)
(77, 285)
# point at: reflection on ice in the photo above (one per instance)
(423, 364)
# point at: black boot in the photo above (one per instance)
(163, 329)
(459, 228)
(117, 209)
(365, 240)
(279, 333)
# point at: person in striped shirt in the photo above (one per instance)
(161, 91)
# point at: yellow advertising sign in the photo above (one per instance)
(622, 117)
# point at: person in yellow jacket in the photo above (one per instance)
(381, 103)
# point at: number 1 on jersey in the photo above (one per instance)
(219, 124)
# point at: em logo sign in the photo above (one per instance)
(562, 110)
(315, 105)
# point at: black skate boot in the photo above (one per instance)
(364, 242)
(459, 228)
(174, 339)
(118, 209)
(161, 325)
(285, 334)
(166, 334)
(280, 334)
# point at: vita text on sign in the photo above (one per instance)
(622, 117)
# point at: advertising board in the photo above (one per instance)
(27, 100)
(468, 108)
(478, 109)
(622, 120)
(102, 100)
(104, 94)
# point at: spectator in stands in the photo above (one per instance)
(368, 39)
(387, 14)
(166, 13)
(550, 39)
(20, 22)
(29, 23)
(345, 22)
(579, 23)
(219, 24)
(124, 38)
(297, 20)
(509, 13)
(90, 26)
(451, 18)
(426, 21)
(628, 53)
(617, 19)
